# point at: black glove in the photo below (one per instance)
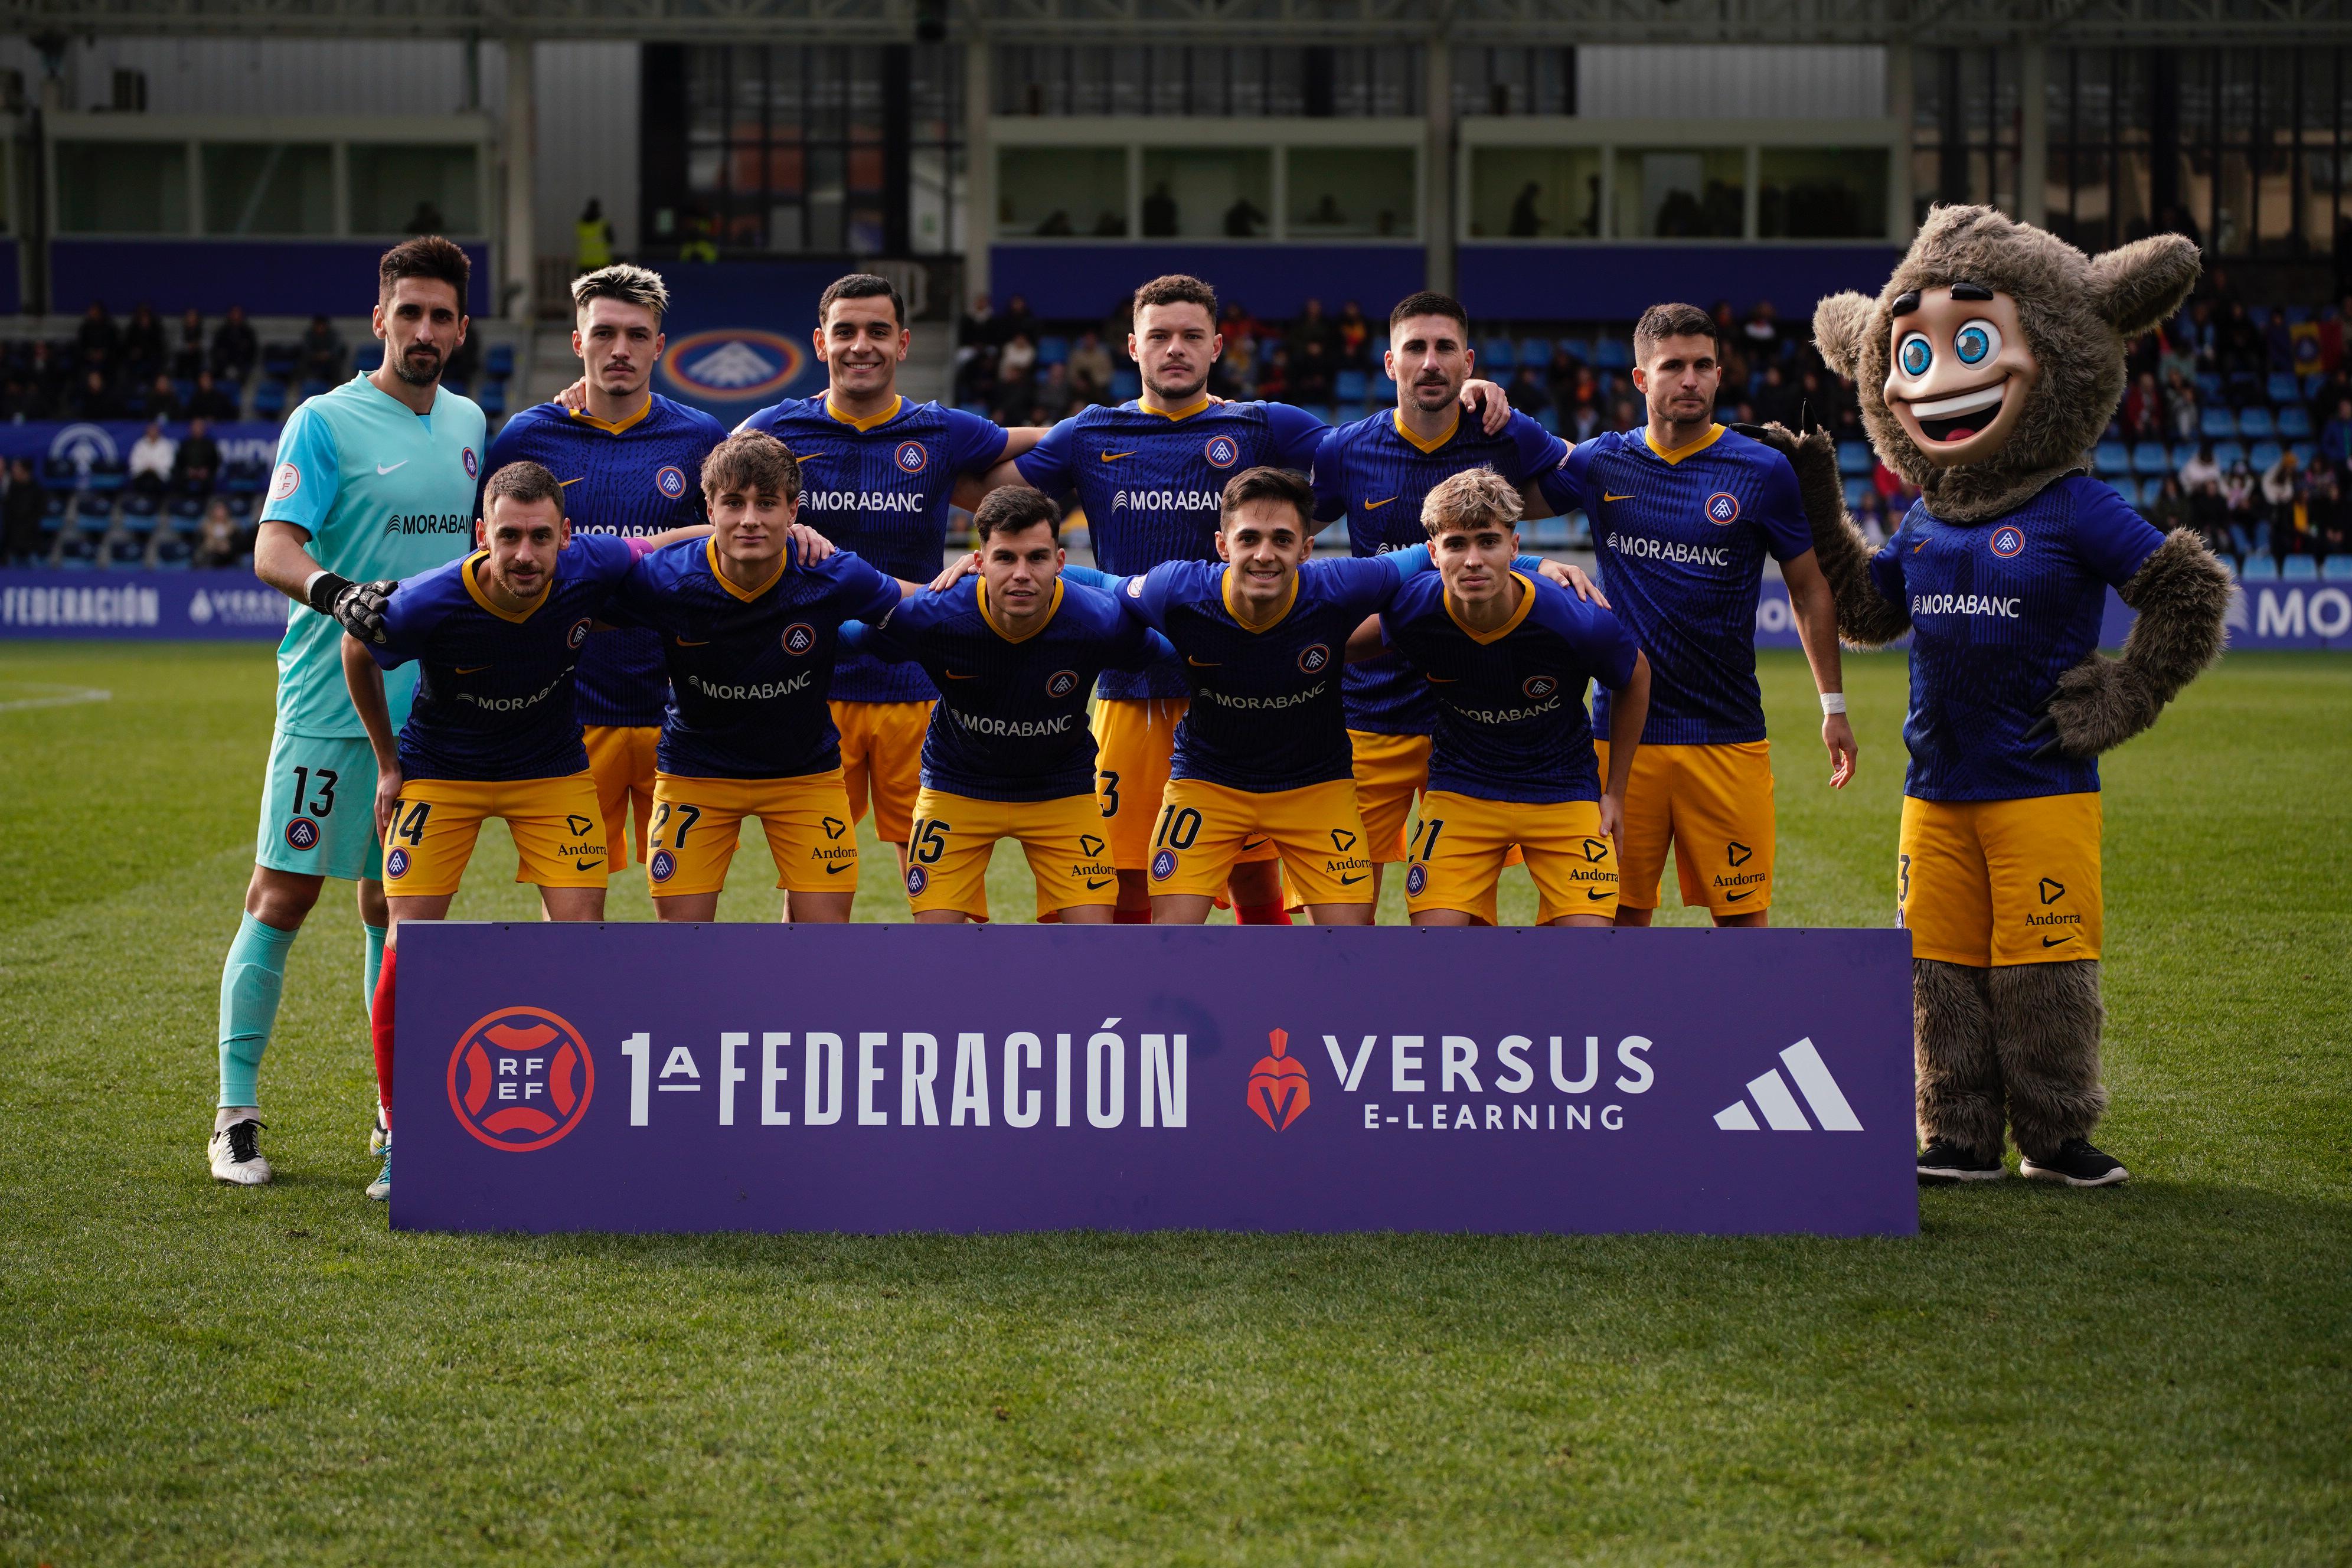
(357, 607)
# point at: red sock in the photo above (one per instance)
(380, 1026)
(1049, 917)
(1127, 917)
(1272, 914)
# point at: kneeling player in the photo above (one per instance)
(493, 731)
(1505, 658)
(1014, 653)
(749, 645)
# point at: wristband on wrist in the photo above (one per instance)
(319, 592)
(1832, 702)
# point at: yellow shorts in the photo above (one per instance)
(1714, 804)
(1458, 852)
(1390, 771)
(559, 832)
(2000, 881)
(697, 821)
(621, 760)
(1314, 829)
(1133, 741)
(882, 761)
(947, 857)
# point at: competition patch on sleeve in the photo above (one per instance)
(284, 481)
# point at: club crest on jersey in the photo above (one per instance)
(911, 457)
(284, 481)
(1223, 451)
(670, 479)
(1539, 686)
(2007, 539)
(1163, 865)
(473, 464)
(520, 1079)
(917, 880)
(799, 638)
(301, 834)
(1722, 509)
(578, 633)
(1061, 683)
(1314, 659)
(1416, 879)
(663, 866)
(395, 864)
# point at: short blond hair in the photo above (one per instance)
(629, 284)
(1470, 499)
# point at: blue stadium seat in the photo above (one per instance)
(1550, 533)
(2260, 315)
(501, 362)
(278, 360)
(2111, 461)
(2313, 383)
(1350, 386)
(2124, 489)
(2209, 387)
(1320, 410)
(979, 408)
(182, 388)
(1855, 489)
(2294, 421)
(2297, 314)
(492, 397)
(2262, 454)
(1349, 413)
(269, 400)
(187, 514)
(2304, 452)
(2217, 424)
(2281, 387)
(2228, 452)
(1535, 351)
(1127, 385)
(2298, 569)
(2149, 490)
(1496, 354)
(367, 357)
(1612, 354)
(2182, 452)
(127, 550)
(2115, 431)
(2338, 569)
(171, 553)
(2256, 422)
(2148, 458)
(1379, 347)
(2258, 568)
(1855, 458)
(106, 474)
(139, 513)
(1380, 388)
(1578, 349)
(1053, 349)
(1549, 418)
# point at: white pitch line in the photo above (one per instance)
(61, 697)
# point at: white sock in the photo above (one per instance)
(228, 1115)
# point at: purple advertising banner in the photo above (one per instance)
(879, 1077)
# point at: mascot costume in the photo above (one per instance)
(1987, 369)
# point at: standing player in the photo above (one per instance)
(632, 463)
(1375, 473)
(1683, 513)
(374, 480)
(1015, 651)
(750, 646)
(493, 731)
(1506, 659)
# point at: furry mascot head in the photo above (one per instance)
(1986, 370)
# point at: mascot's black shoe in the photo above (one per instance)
(2076, 1164)
(1942, 1162)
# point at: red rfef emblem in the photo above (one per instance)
(520, 1079)
(1278, 1085)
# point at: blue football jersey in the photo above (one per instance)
(1682, 539)
(1999, 610)
(635, 477)
(1153, 486)
(1265, 712)
(882, 487)
(750, 669)
(1376, 473)
(1511, 724)
(1012, 719)
(494, 691)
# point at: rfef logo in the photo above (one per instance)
(1723, 509)
(670, 480)
(732, 364)
(1277, 1084)
(284, 481)
(2007, 539)
(1223, 451)
(520, 1079)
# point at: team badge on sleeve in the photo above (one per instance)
(284, 481)
(2007, 539)
(1223, 451)
(1723, 509)
(670, 480)
(579, 632)
(911, 457)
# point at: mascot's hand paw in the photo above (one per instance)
(2099, 705)
(1815, 461)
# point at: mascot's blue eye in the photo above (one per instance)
(1975, 342)
(1916, 356)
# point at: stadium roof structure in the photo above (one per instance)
(1917, 22)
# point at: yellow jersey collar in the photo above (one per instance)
(1225, 593)
(1713, 434)
(615, 426)
(871, 421)
(1051, 607)
(1397, 416)
(1173, 415)
(1527, 603)
(474, 588)
(711, 553)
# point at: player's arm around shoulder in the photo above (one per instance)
(363, 668)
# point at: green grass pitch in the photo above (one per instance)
(191, 1374)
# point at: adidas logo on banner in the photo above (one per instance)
(1770, 1094)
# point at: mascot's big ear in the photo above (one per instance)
(1840, 325)
(2137, 285)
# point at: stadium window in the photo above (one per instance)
(1334, 193)
(268, 187)
(1201, 193)
(1964, 135)
(1514, 81)
(1211, 81)
(413, 189)
(1681, 193)
(1820, 193)
(123, 187)
(1535, 193)
(1060, 192)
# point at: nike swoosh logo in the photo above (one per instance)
(835, 868)
(469, 670)
(1735, 898)
(688, 642)
(565, 483)
(1445, 679)
(587, 865)
(806, 458)
(1203, 663)
(1918, 547)
(1115, 457)
(2055, 940)
(1597, 897)
(1376, 505)
(383, 468)
(1606, 496)
(1250, 843)
(1099, 887)
(958, 675)
(1351, 881)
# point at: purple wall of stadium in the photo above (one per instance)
(1072, 279)
(278, 278)
(1523, 282)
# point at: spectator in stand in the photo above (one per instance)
(1090, 367)
(2335, 436)
(2201, 469)
(1311, 372)
(1312, 327)
(1561, 375)
(321, 350)
(1053, 395)
(2323, 500)
(2143, 410)
(1871, 517)
(1817, 401)
(2178, 356)
(18, 402)
(1016, 383)
(142, 344)
(234, 348)
(2241, 353)
(1355, 336)
(216, 538)
(1775, 400)
(197, 464)
(1625, 417)
(2331, 337)
(1582, 421)
(97, 342)
(20, 516)
(1762, 332)
(1885, 481)
(1274, 374)
(2278, 343)
(97, 399)
(208, 401)
(2170, 509)
(2282, 502)
(2242, 494)
(2181, 414)
(2210, 515)
(977, 329)
(1527, 393)
(1017, 321)
(188, 358)
(150, 459)
(47, 376)
(161, 400)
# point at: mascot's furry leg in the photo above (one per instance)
(1960, 1069)
(2045, 1021)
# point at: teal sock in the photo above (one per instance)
(375, 935)
(251, 979)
